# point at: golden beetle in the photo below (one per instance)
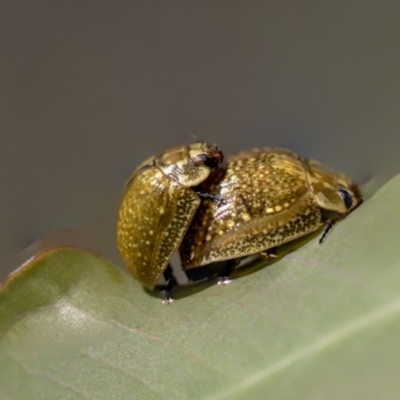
(253, 203)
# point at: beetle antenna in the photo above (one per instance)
(328, 227)
(333, 221)
(193, 137)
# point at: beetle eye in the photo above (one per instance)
(202, 158)
(347, 197)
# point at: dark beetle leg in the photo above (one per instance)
(170, 284)
(200, 273)
(224, 276)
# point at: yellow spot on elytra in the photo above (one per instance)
(269, 210)
(220, 233)
(245, 217)
(161, 209)
(286, 204)
(278, 208)
(208, 238)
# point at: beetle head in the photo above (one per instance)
(190, 165)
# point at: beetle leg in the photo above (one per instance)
(170, 284)
(200, 273)
(224, 276)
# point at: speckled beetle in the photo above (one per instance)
(270, 197)
(158, 207)
(255, 202)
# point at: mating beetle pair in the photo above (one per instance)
(185, 198)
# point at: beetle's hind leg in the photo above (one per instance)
(169, 286)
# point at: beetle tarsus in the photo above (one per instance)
(168, 300)
(224, 280)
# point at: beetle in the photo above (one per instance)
(255, 202)
(157, 209)
(270, 197)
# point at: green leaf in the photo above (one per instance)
(323, 322)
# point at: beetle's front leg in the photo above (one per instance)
(169, 286)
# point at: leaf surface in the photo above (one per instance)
(321, 322)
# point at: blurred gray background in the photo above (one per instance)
(89, 89)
